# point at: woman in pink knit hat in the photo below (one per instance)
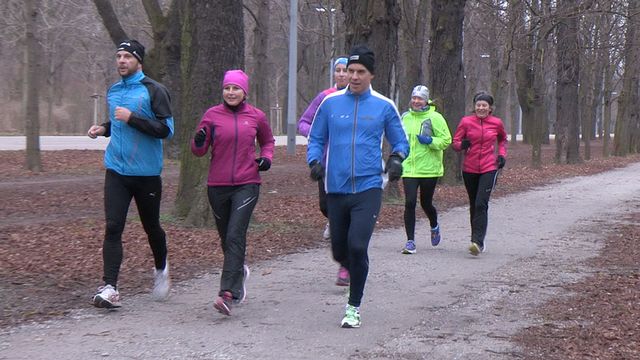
(230, 131)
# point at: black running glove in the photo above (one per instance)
(264, 164)
(465, 144)
(200, 136)
(501, 161)
(317, 170)
(394, 167)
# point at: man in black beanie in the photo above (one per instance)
(350, 124)
(139, 119)
(134, 48)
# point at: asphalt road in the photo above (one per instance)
(440, 303)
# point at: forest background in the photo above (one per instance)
(567, 69)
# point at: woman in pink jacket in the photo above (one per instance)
(478, 135)
(231, 130)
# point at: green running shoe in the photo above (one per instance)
(351, 317)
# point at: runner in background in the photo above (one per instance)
(231, 129)
(304, 126)
(484, 141)
(429, 136)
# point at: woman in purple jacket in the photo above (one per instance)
(231, 130)
(304, 127)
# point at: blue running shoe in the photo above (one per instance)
(410, 247)
(435, 235)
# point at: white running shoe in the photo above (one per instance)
(107, 297)
(327, 232)
(161, 283)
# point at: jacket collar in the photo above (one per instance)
(137, 76)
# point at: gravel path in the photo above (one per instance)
(440, 303)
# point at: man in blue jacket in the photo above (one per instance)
(139, 118)
(351, 123)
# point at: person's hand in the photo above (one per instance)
(317, 170)
(95, 131)
(424, 139)
(501, 161)
(264, 164)
(199, 137)
(394, 167)
(122, 114)
(465, 144)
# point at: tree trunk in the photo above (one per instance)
(447, 71)
(375, 24)
(530, 49)
(212, 42)
(31, 87)
(413, 46)
(262, 67)
(627, 109)
(568, 70)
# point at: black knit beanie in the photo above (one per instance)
(134, 47)
(362, 55)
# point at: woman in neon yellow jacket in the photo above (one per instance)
(428, 135)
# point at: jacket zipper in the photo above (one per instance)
(235, 149)
(353, 146)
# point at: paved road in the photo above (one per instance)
(438, 304)
(85, 143)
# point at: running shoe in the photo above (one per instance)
(435, 235)
(107, 297)
(327, 232)
(351, 317)
(343, 277)
(161, 283)
(223, 303)
(410, 247)
(474, 249)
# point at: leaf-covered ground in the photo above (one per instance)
(51, 229)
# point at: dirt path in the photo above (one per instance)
(440, 303)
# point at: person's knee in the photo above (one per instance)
(410, 204)
(114, 227)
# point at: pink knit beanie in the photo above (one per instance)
(238, 78)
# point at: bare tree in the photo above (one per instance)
(375, 23)
(530, 49)
(31, 89)
(447, 70)
(628, 108)
(568, 70)
(211, 45)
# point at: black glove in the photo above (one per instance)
(394, 167)
(199, 137)
(264, 164)
(501, 161)
(317, 170)
(465, 144)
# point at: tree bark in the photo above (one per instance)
(447, 71)
(212, 42)
(627, 101)
(567, 94)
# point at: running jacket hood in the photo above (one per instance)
(233, 149)
(352, 127)
(483, 134)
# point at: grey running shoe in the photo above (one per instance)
(161, 284)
